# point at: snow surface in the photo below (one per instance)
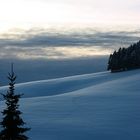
(98, 106)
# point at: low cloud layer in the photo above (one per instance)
(43, 43)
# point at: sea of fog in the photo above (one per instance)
(30, 70)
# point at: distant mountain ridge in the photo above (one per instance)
(125, 58)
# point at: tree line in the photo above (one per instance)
(125, 58)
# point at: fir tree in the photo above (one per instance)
(125, 58)
(12, 122)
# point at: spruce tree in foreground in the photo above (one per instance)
(12, 122)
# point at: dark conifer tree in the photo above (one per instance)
(110, 62)
(125, 58)
(12, 122)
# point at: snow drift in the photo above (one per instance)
(93, 106)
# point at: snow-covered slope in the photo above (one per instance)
(100, 106)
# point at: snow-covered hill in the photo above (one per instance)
(99, 106)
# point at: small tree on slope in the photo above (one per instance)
(12, 122)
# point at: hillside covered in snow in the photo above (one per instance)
(98, 106)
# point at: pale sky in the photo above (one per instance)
(14, 13)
